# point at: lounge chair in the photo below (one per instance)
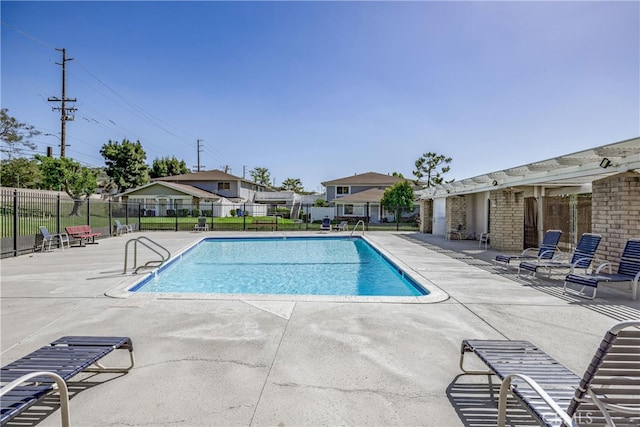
(201, 225)
(628, 272)
(546, 251)
(582, 257)
(120, 229)
(35, 376)
(457, 232)
(59, 238)
(607, 393)
(343, 226)
(326, 224)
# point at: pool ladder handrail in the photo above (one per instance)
(149, 264)
(356, 226)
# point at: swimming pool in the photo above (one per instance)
(282, 266)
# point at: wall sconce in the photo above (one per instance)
(605, 163)
(495, 183)
(448, 191)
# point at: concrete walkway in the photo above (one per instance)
(281, 362)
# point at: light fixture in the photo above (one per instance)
(494, 183)
(605, 163)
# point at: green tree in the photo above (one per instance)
(15, 135)
(126, 163)
(65, 174)
(398, 197)
(168, 166)
(292, 184)
(20, 173)
(260, 175)
(427, 166)
(320, 203)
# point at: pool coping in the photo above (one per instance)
(435, 294)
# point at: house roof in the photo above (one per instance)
(212, 175)
(368, 178)
(183, 188)
(574, 171)
(370, 195)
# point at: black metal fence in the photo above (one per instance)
(22, 213)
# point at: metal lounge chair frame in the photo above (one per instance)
(582, 257)
(607, 393)
(628, 272)
(120, 229)
(50, 238)
(546, 251)
(343, 226)
(31, 378)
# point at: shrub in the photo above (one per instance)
(233, 212)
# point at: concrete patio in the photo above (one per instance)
(282, 362)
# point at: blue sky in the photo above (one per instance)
(322, 90)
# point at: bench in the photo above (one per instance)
(82, 233)
(264, 223)
(37, 375)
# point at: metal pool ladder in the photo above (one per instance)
(152, 246)
(356, 226)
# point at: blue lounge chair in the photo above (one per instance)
(326, 224)
(582, 257)
(607, 393)
(59, 238)
(628, 272)
(33, 377)
(546, 251)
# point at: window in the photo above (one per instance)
(342, 190)
(348, 209)
(224, 186)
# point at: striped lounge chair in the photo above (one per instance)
(32, 378)
(608, 394)
(582, 257)
(546, 251)
(628, 272)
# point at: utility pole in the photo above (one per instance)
(63, 108)
(198, 141)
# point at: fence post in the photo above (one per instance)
(110, 219)
(89, 211)
(244, 217)
(16, 224)
(175, 210)
(139, 215)
(59, 214)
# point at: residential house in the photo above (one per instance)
(221, 183)
(359, 196)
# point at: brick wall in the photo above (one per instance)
(615, 213)
(456, 212)
(507, 220)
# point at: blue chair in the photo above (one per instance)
(60, 238)
(582, 257)
(326, 224)
(628, 272)
(546, 250)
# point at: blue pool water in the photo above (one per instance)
(298, 266)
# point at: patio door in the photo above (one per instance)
(530, 238)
